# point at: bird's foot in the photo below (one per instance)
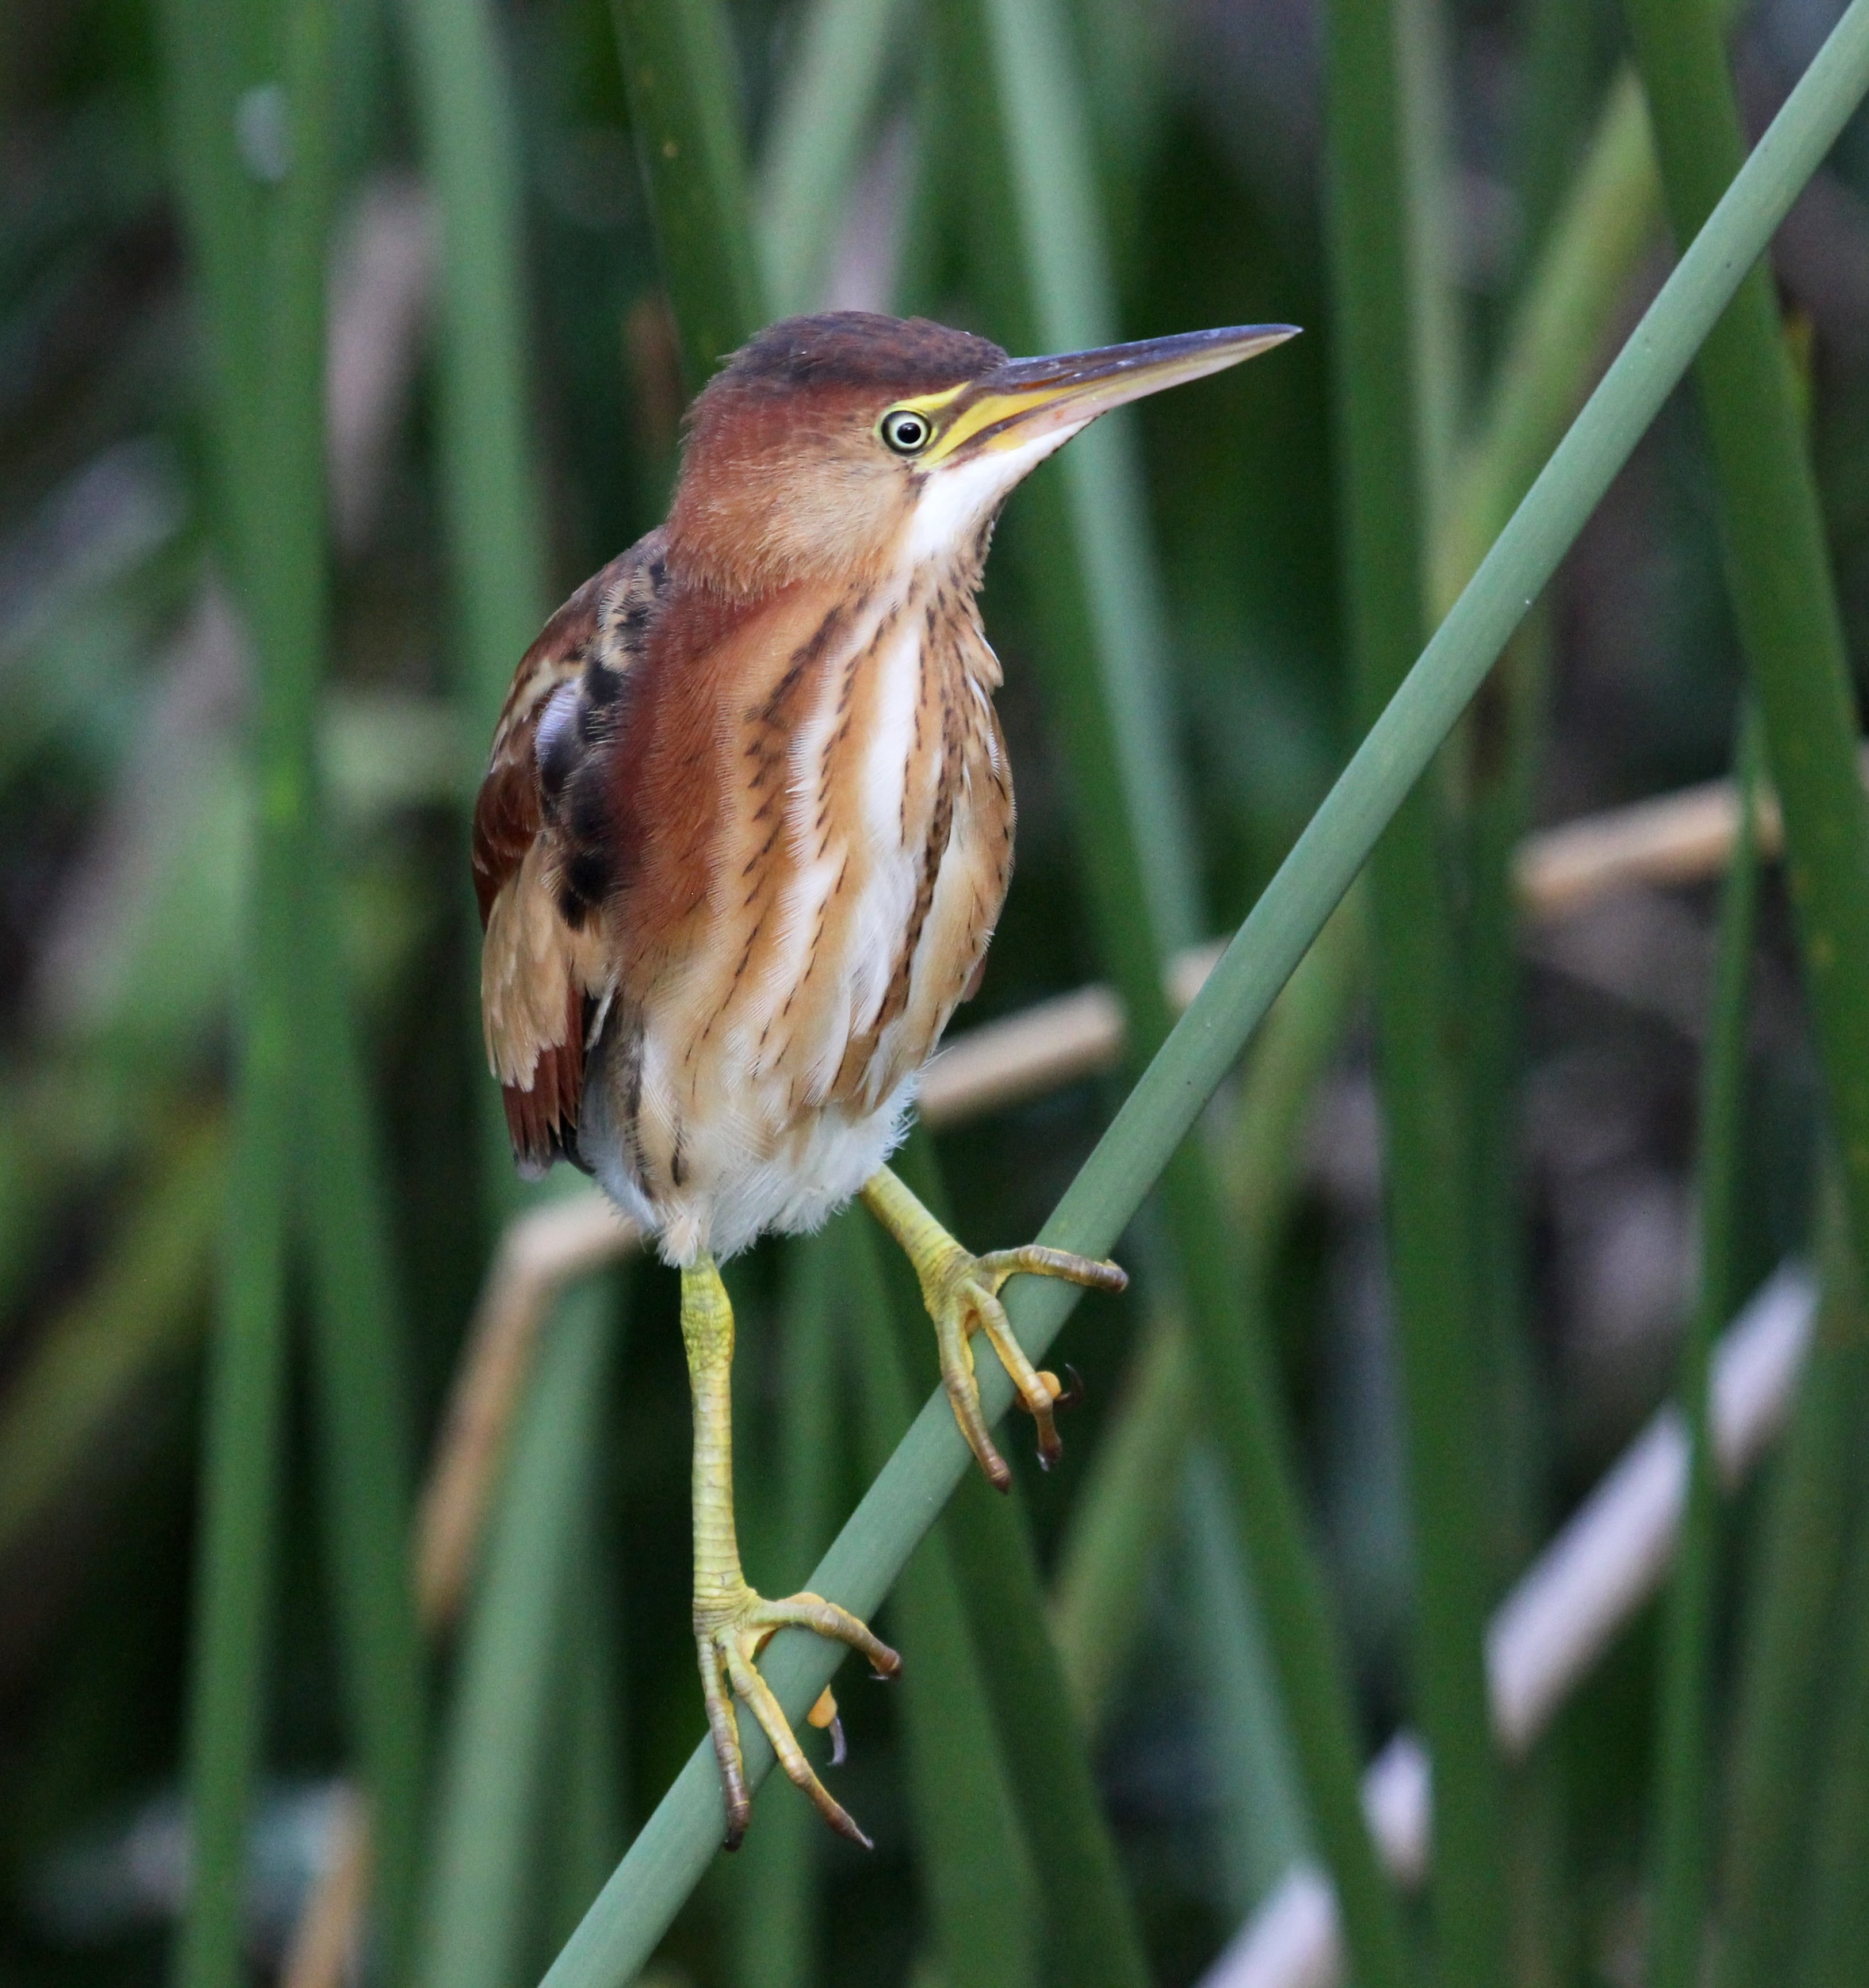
(730, 1628)
(962, 1292)
(963, 1298)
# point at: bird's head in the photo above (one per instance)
(844, 445)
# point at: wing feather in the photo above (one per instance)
(544, 954)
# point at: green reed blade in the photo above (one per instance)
(1836, 1933)
(1555, 339)
(1383, 481)
(983, 1906)
(1778, 573)
(775, 1899)
(1113, 1537)
(1095, 580)
(1110, 1538)
(1090, 1935)
(485, 1861)
(1094, 588)
(254, 223)
(587, 1829)
(363, 1438)
(814, 156)
(677, 1843)
(678, 71)
(1786, 1678)
(1264, 1830)
(489, 478)
(1684, 1769)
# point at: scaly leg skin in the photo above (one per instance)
(732, 1624)
(962, 1292)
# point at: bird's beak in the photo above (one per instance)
(1025, 399)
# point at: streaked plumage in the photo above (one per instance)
(746, 831)
(744, 834)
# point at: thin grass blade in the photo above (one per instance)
(488, 479)
(821, 124)
(268, 457)
(983, 1906)
(1385, 482)
(1684, 1777)
(1789, 1656)
(776, 1903)
(488, 1821)
(1091, 1937)
(677, 73)
(1778, 573)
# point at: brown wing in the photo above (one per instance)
(538, 871)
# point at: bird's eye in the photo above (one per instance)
(906, 432)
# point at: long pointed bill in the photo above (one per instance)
(1025, 399)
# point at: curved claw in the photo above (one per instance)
(729, 1644)
(967, 1302)
(962, 1292)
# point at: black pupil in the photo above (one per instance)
(907, 431)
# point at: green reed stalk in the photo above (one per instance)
(1095, 591)
(678, 77)
(1263, 1830)
(820, 131)
(1683, 1776)
(363, 1431)
(586, 1832)
(676, 1845)
(1090, 1934)
(136, 1317)
(1788, 1658)
(1836, 1932)
(1384, 483)
(776, 1932)
(266, 404)
(1554, 340)
(485, 1863)
(985, 1908)
(489, 481)
(1778, 573)
(1110, 1538)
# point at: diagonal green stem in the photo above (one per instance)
(679, 1841)
(1095, 590)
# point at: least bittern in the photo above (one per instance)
(745, 834)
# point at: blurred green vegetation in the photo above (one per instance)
(251, 1175)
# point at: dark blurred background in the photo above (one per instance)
(123, 807)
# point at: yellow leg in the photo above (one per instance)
(962, 1292)
(732, 1624)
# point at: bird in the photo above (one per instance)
(745, 829)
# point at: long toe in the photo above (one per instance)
(1034, 1259)
(812, 1611)
(730, 1642)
